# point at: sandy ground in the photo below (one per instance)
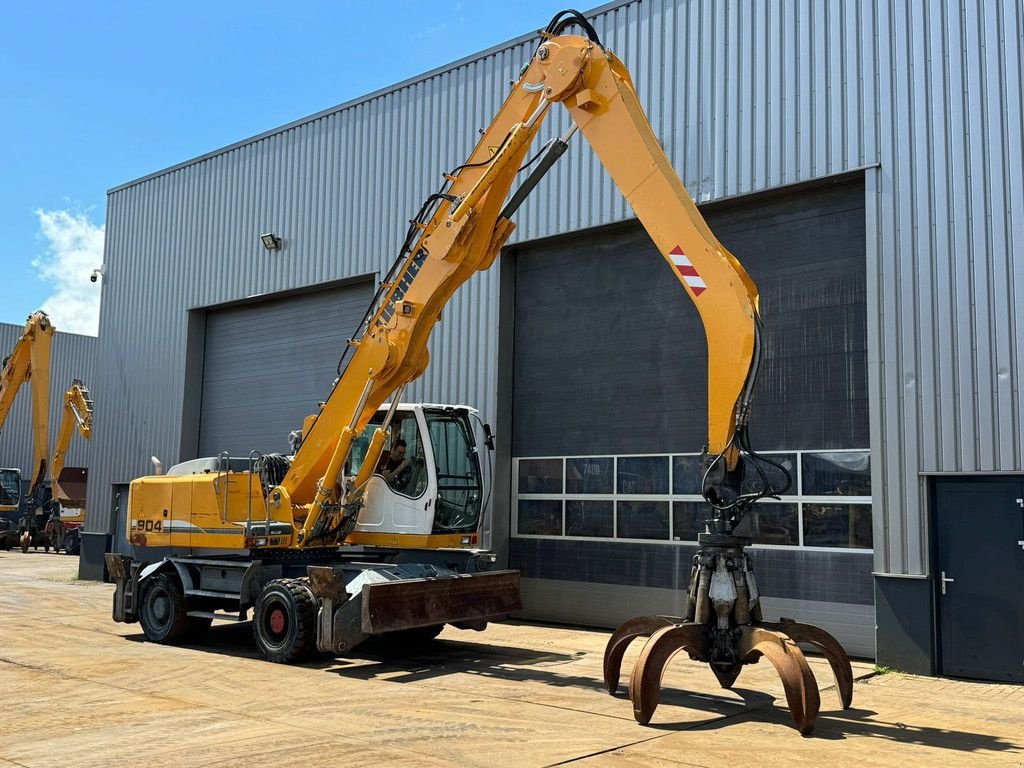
(77, 689)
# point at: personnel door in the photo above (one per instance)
(980, 573)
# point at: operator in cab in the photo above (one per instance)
(395, 466)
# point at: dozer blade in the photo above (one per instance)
(640, 626)
(797, 680)
(471, 599)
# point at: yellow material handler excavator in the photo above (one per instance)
(274, 533)
(68, 484)
(29, 362)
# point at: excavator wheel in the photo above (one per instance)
(162, 612)
(284, 621)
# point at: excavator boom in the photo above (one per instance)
(30, 362)
(77, 416)
(461, 229)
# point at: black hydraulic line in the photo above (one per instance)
(558, 24)
(555, 151)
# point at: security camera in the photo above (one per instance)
(96, 274)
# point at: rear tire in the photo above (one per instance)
(284, 621)
(72, 543)
(163, 615)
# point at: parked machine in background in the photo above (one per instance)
(68, 484)
(53, 512)
(29, 362)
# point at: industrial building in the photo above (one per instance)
(862, 159)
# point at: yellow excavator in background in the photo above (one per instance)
(69, 484)
(28, 362)
(273, 533)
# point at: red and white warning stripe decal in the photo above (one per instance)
(688, 271)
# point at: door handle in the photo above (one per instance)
(943, 581)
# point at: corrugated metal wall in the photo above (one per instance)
(745, 96)
(71, 357)
(947, 208)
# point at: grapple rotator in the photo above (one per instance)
(725, 629)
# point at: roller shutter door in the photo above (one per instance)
(610, 355)
(267, 365)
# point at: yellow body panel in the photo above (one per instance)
(200, 511)
(412, 541)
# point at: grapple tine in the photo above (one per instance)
(797, 680)
(830, 648)
(645, 682)
(620, 640)
(727, 675)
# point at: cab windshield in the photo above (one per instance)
(459, 490)
(10, 487)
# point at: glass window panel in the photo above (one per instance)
(540, 475)
(688, 519)
(10, 487)
(686, 474)
(753, 482)
(776, 524)
(590, 518)
(590, 475)
(408, 478)
(837, 525)
(643, 474)
(643, 519)
(459, 487)
(834, 473)
(540, 517)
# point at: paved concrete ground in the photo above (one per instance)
(79, 690)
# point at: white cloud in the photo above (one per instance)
(74, 248)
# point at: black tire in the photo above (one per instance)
(163, 615)
(284, 621)
(73, 543)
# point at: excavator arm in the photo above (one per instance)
(30, 361)
(460, 230)
(77, 415)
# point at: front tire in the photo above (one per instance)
(163, 615)
(284, 621)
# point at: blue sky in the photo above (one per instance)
(97, 94)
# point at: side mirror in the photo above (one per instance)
(488, 437)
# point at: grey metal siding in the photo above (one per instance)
(265, 367)
(72, 356)
(946, 215)
(745, 97)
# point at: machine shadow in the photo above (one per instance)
(436, 659)
(838, 725)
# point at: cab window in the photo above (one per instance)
(402, 463)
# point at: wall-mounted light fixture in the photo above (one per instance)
(271, 241)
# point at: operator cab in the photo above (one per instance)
(10, 490)
(433, 477)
